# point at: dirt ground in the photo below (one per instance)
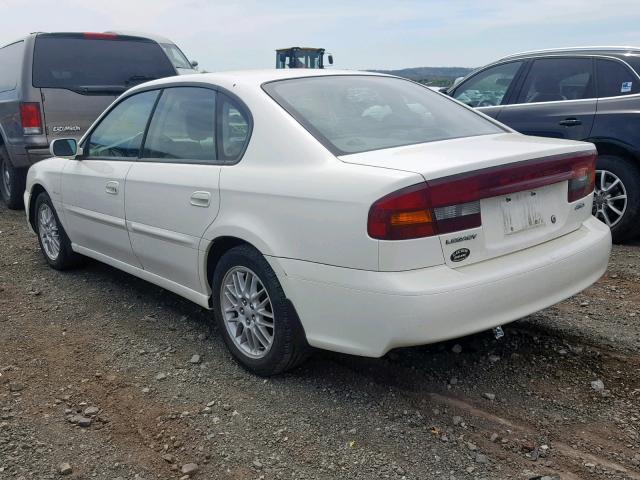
(97, 371)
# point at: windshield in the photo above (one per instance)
(92, 65)
(357, 113)
(176, 56)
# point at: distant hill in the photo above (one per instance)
(436, 76)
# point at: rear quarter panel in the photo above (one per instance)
(618, 119)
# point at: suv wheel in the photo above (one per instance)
(257, 322)
(616, 200)
(12, 181)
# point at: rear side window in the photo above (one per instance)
(557, 79)
(234, 128)
(10, 63)
(119, 134)
(183, 126)
(92, 64)
(359, 113)
(489, 87)
(615, 79)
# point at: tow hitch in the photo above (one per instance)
(498, 333)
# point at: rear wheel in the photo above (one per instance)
(54, 243)
(257, 322)
(12, 181)
(616, 199)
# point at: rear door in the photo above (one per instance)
(80, 74)
(489, 89)
(557, 99)
(172, 192)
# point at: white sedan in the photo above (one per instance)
(347, 211)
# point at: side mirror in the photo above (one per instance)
(330, 58)
(64, 147)
(457, 81)
(194, 63)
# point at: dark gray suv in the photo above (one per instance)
(590, 94)
(56, 84)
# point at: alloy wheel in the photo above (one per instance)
(48, 231)
(247, 312)
(610, 198)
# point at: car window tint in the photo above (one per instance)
(615, 78)
(74, 62)
(489, 87)
(557, 79)
(234, 129)
(120, 133)
(10, 62)
(358, 113)
(183, 125)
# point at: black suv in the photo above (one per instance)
(590, 94)
(55, 85)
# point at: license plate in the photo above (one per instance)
(521, 211)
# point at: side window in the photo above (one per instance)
(10, 63)
(234, 129)
(489, 87)
(615, 79)
(183, 126)
(119, 134)
(556, 79)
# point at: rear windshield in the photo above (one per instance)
(354, 113)
(91, 65)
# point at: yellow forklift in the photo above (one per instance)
(301, 57)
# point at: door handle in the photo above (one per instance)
(200, 199)
(570, 122)
(112, 188)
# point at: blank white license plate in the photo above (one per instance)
(521, 211)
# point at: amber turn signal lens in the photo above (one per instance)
(411, 218)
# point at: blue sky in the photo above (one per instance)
(229, 34)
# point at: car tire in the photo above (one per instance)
(12, 181)
(616, 178)
(53, 240)
(257, 321)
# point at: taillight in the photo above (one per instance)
(583, 179)
(451, 204)
(100, 36)
(402, 215)
(31, 118)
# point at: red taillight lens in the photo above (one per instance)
(402, 215)
(451, 204)
(31, 118)
(583, 179)
(100, 36)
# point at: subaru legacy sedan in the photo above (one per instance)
(346, 211)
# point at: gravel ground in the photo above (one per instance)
(105, 376)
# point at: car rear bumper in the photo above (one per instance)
(368, 313)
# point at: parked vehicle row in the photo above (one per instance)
(55, 85)
(347, 211)
(590, 94)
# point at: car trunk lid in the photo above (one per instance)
(496, 194)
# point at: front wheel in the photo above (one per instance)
(616, 200)
(257, 322)
(54, 242)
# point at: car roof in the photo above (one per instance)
(587, 50)
(252, 78)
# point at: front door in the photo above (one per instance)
(557, 99)
(93, 185)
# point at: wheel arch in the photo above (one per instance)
(612, 146)
(36, 190)
(216, 249)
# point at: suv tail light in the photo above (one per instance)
(451, 204)
(31, 118)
